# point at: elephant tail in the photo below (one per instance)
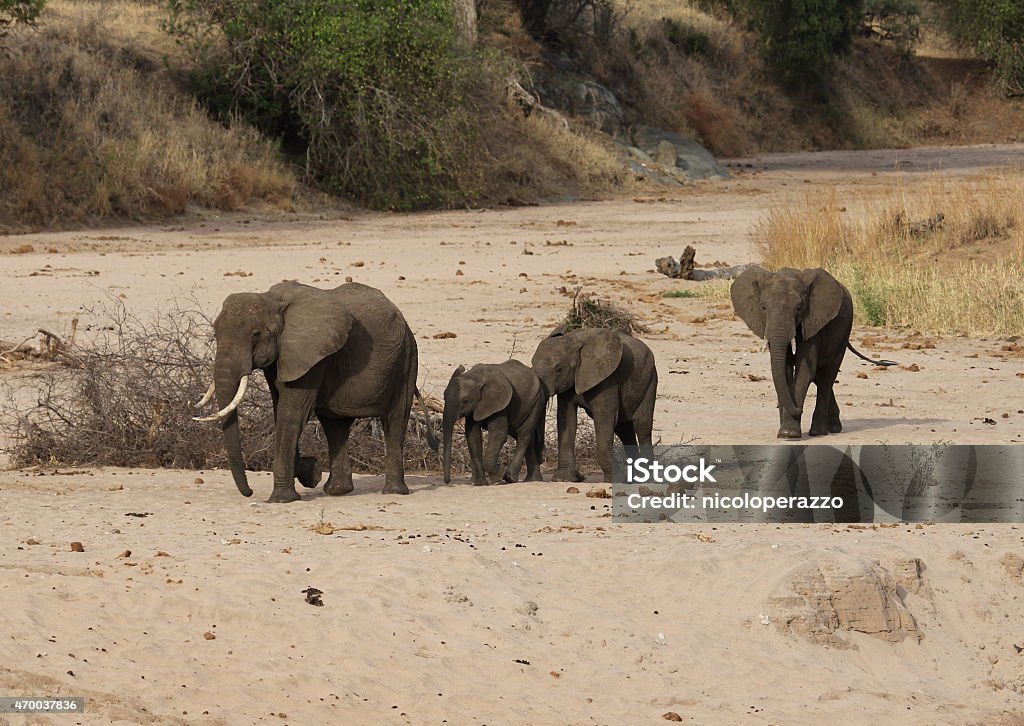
(870, 360)
(431, 439)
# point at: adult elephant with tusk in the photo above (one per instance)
(342, 354)
(806, 316)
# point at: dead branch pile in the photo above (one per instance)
(592, 312)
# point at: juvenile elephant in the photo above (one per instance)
(506, 399)
(806, 317)
(342, 354)
(609, 374)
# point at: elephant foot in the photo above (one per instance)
(336, 488)
(789, 433)
(535, 476)
(307, 471)
(817, 430)
(835, 428)
(283, 494)
(575, 477)
(392, 487)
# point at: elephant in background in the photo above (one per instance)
(505, 399)
(806, 316)
(609, 374)
(342, 354)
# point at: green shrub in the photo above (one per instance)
(870, 298)
(994, 29)
(373, 94)
(801, 38)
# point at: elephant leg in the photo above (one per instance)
(294, 409)
(826, 411)
(396, 424)
(835, 426)
(533, 472)
(497, 435)
(307, 470)
(789, 426)
(336, 430)
(566, 423)
(626, 433)
(604, 409)
(524, 442)
(643, 420)
(475, 444)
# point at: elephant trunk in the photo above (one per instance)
(779, 338)
(227, 382)
(448, 420)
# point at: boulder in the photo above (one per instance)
(822, 600)
(685, 154)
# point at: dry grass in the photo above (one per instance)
(536, 158)
(962, 275)
(92, 126)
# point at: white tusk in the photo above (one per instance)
(208, 395)
(793, 345)
(227, 410)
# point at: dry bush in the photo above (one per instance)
(92, 126)
(539, 157)
(125, 398)
(589, 311)
(960, 274)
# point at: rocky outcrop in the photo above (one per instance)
(653, 154)
(820, 601)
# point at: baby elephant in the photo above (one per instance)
(609, 374)
(507, 400)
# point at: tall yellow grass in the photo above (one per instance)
(93, 126)
(963, 275)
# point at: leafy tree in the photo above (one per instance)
(994, 29)
(13, 12)
(801, 38)
(370, 91)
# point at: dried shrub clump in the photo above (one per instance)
(589, 311)
(125, 398)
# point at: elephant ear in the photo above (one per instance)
(600, 355)
(495, 394)
(456, 373)
(315, 326)
(746, 298)
(824, 298)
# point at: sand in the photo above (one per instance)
(519, 603)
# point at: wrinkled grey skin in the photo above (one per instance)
(814, 309)
(342, 354)
(505, 399)
(609, 374)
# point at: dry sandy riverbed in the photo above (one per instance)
(432, 601)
